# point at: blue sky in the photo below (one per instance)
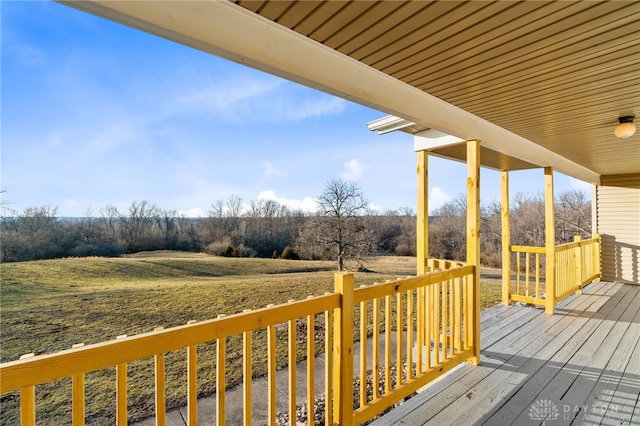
(95, 113)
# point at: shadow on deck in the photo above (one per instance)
(580, 366)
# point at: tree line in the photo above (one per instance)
(342, 229)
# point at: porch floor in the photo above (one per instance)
(579, 366)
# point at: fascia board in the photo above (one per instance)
(432, 139)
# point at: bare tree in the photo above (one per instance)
(110, 219)
(138, 226)
(573, 216)
(338, 231)
(224, 223)
(31, 234)
(447, 230)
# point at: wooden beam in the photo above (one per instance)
(473, 237)
(422, 226)
(550, 241)
(506, 237)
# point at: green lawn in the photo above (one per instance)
(47, 306)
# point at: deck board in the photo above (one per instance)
(601, 396)
(582, 361)
(538, 373)
(570, 377)
(495, 354)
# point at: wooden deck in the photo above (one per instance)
(579, 366)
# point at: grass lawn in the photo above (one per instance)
(47, 306)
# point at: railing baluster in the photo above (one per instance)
(428, 327)
(443, 295)
(28, 406)
(527, 274)
(363, 353)
(247, 374)
(468, 321)
(518, 273)
(410, 337)
(451, 317)
(579, 266)
(221, 382)
(77, 399)
(387, 344)
(457, 314)
(77, 395)
(538, 275)
(292, 370)
(311, 337)
(399, 326)
(27, 401)
(160, 397)
(160, 382)
(420, 328)
(436, 323)
(375, 364)
(192, 384)
(121, 394)
(121, 391)
(328, 370)
(271, 373)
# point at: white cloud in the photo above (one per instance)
(268, 171)
(321, 105)
(307, 204)
(228, 98)
(353, 169)
(374, 207)
(437, 198)
(249, 99)
(194, 212)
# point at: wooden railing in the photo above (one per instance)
(528, 288)
(434, 330)
(576, 264)
(432, 316)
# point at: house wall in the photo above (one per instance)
(618, 222)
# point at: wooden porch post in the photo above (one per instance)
(473, 237)
(343, 351)
(506, 238)
(550, 241)
(422, 252)
(422, 226)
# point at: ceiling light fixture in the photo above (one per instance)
(626, 127)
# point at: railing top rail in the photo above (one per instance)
(575, 244)
(568, 246)
(406, 284)
(527, 249)
(45, 368)
(446, 262)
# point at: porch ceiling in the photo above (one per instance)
(556, 73)
(540, 82)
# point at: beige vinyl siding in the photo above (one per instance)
(618, 222)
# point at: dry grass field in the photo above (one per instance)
(50, 305)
